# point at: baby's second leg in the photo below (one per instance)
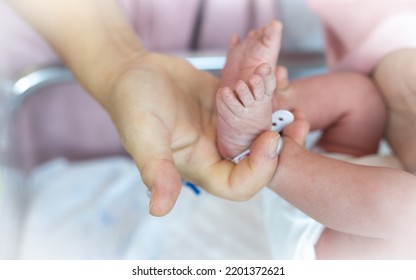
(395, 77)
(345, 106)
(244, 113)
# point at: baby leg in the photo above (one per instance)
(243, 102)
(395, 76)
(345, 106)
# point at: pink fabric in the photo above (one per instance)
(167, 25)
(162, 25)
(360, 32)
(222, 19)
(61, 121)
(20, 47)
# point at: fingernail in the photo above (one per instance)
(274, 143)
(226, 93)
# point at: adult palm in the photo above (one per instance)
(164, 110)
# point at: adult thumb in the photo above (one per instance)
(150, 147)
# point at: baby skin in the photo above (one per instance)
(346, 106)
(395, 78)
(244, 99)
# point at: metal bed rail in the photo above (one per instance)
(298, 65)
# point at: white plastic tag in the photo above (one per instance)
(280, 119)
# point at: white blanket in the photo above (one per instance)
(98, 210)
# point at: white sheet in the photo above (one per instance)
(98, 210)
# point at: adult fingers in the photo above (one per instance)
(299, 129)
(240, 182)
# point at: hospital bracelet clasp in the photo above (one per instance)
(280, 119)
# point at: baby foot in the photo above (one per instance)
(260, 46)
(245, 112)
(247, 84)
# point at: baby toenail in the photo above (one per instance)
(226, 93)
(270, 31)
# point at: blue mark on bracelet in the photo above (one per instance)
(192, 186)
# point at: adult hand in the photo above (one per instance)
(164, 110)
(162, 107)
